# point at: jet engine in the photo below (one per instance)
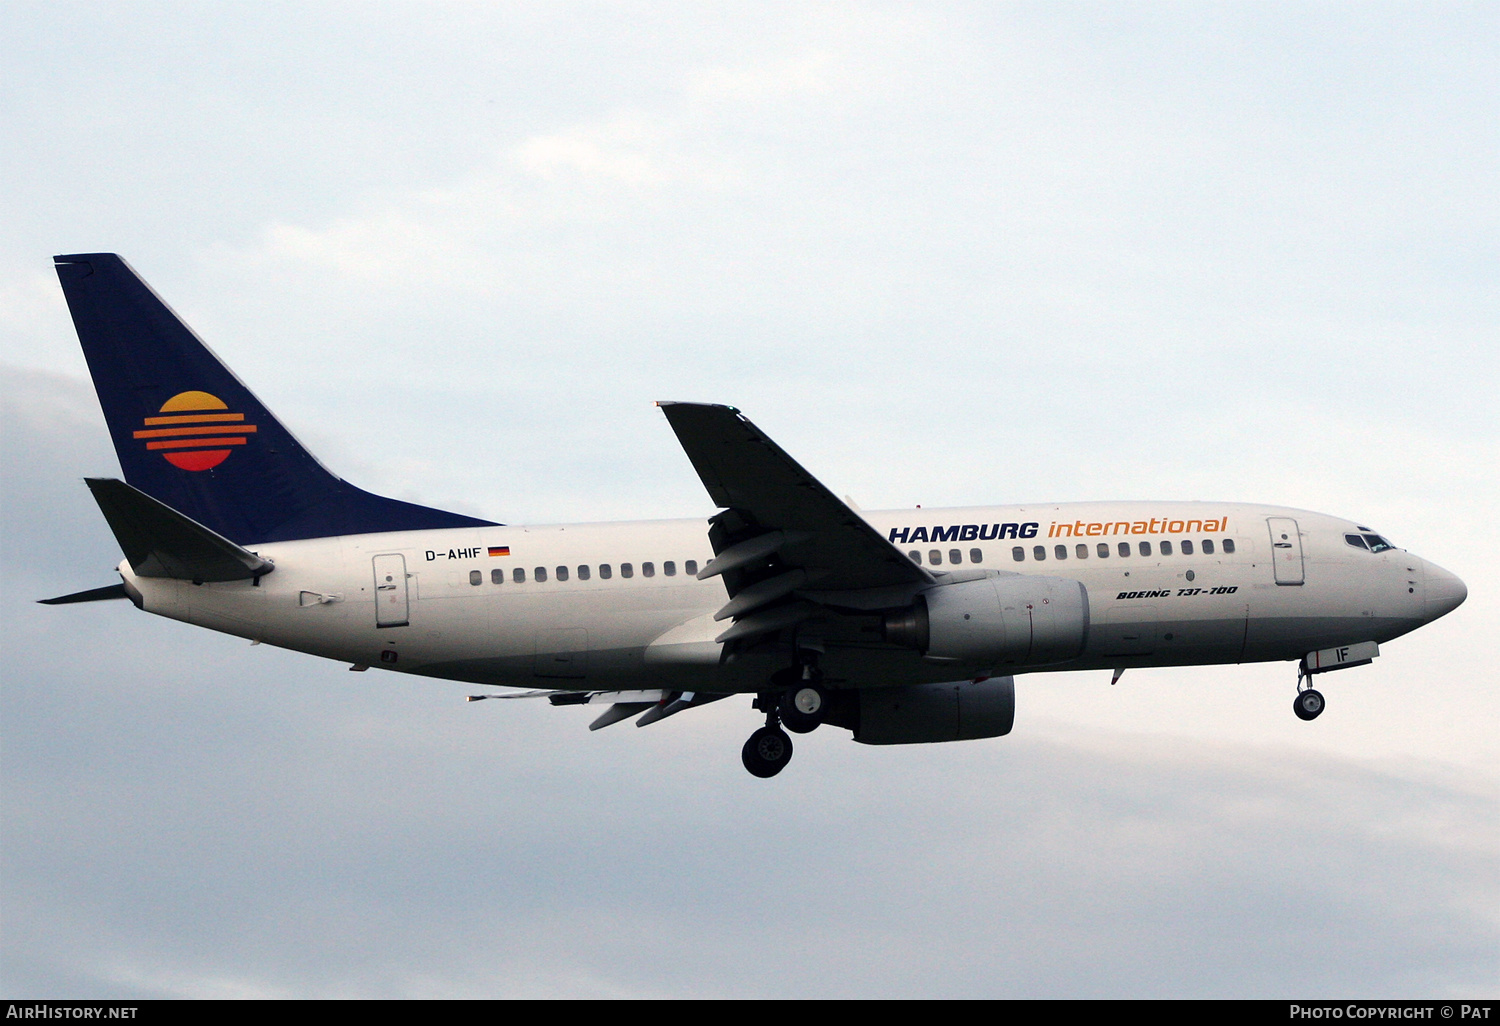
(1013, 621)
(926, 713)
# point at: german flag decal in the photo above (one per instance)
(195, 431)
(499, 550)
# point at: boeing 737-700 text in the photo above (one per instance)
(903, 626)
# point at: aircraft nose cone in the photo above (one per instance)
(1445, 592)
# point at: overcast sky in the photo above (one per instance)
(945, 254)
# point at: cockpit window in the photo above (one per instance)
(1377, 543)
(1355, 540)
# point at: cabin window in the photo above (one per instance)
(518, 575)
(605, 573)
(583, 571)
(497, 576)
(1228, 546)
(1187, 547)
(669, 568)
(540, 575)
(1018, 554)
(1166, 548)
(648, 569)
(627, 570)
(1040, 552)
(690, 568)
(915, 557)
(976, 555)
(475, 577)
(1104, 550)
(935, 557)
(955, 556)
(1145, 548)
(1060, 551)
(562, 573)
(1124, 549)
(1208, 546)
(1082, 551)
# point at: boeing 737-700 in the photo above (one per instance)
(903, 626)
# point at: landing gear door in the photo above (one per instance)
(391, 599)
(1286, 550)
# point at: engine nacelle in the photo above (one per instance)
(927, 713)
(1015, 621)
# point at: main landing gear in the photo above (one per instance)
(804, 702)
(799, 703)
(768, 750)
(1308, 704)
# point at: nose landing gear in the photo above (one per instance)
(1309, 703)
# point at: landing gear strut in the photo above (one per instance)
(1309, 703)
(797, 701)
(769, 749)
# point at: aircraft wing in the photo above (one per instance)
(781, 530)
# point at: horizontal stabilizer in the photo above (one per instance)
(161, 542)
(109, 591)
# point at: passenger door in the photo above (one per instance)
(1286, 550)
(392, 605)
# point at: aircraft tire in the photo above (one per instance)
(767, 752)
(1308, 704)
(803, 708)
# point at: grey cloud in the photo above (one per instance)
(187, 815)
(985, 254)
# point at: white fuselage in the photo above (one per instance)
(439, 603)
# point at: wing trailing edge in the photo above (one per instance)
(779, 529)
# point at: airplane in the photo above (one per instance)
(902, 626)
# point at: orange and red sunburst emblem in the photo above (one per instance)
(195, 430)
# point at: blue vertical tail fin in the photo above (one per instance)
(190, 435)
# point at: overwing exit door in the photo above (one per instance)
(1286, 550)
(391, 599)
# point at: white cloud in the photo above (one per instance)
(620, 151)
(801, 76)
(30, 303)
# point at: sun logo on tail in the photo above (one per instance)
(195, 431)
